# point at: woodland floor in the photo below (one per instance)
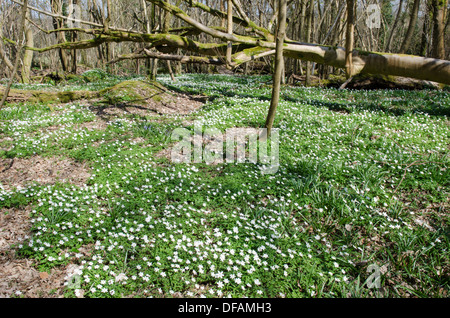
(87, 188)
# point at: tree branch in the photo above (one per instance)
(214, 33)
(59, 16)
(145, 54)
(244, 21)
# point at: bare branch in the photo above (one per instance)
(145, 54)
(59, 16)
(244, 21)
(237, 58)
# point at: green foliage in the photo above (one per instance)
(94, 75)
(134, 91)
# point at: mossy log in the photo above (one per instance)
(136, 92)
(127, 91)
(34, 96)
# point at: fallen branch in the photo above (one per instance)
(168, 57)
(346, 82)
(237, 59)
(59, 16)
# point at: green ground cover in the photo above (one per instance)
(362, 190)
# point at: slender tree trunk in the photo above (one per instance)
(165, 29)
(154, 70)
(308, 39)
(5, 59)
(154, 62)
(138, 71)
(302, 21)
(19, 52)
(8, 63)
(222, 8)
(338, 26)
(281, 33)
(28, 55)
(425, 33)
(109, 49)
(387, 48)
(60, 37)
(229, 30)
(97, 18)
(412, 24)
(349, 38)
(74, 52)
(169, 67)
(302, 31)
(438, 50)
(148, 62)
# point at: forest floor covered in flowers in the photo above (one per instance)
(91, 204)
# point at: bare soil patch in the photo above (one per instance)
(145, 98)
(18, 277)
(214, 146)
(14, 226)
(97, 124)
(19, 172)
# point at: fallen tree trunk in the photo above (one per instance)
(19, 95)
(418, 67)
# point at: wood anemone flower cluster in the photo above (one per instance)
(256, 43)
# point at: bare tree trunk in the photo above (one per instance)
(165, 29)
(148, 30)
(169, 67)
(412, 24)
(19, 52)
(154, 70)
(229, 30)
(281, 33)
(60, 37)
(7, 61)
(154, 62)
(283, 71)
(349, 38)
(301, 30)
(74, 52)
(138, 70)
(387, 48)
(438, 50)
(425, 33)
(5, 58)
(302, 21)
(222, 8)
(28, 55)
(109, 51)
(308, 39)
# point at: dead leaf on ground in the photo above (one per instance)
(43, 275)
